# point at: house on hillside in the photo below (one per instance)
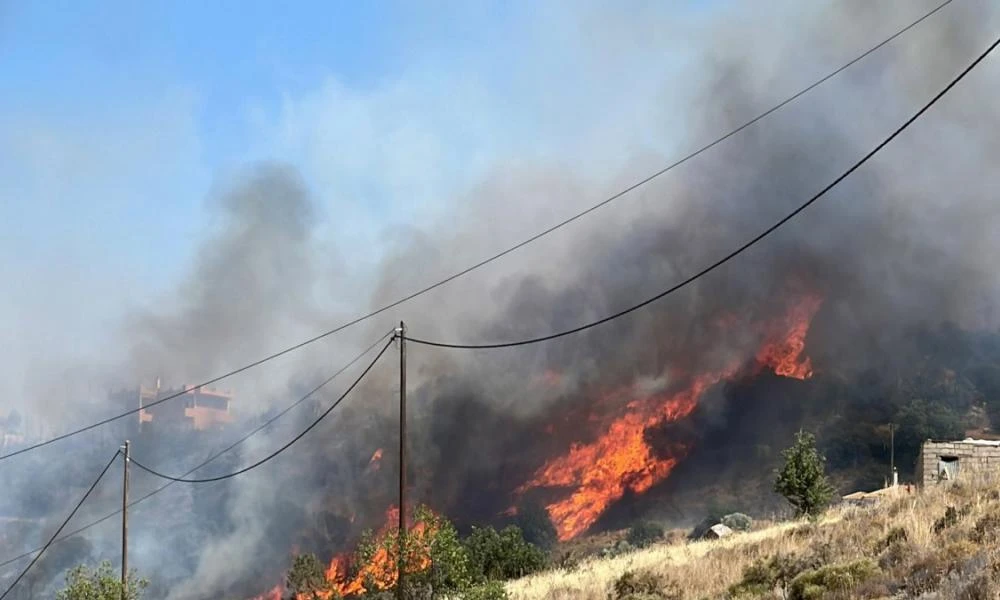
(942, 461)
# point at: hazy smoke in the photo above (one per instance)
(907, 240)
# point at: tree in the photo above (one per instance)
(802, 480)
(307, 579)
(102, 583)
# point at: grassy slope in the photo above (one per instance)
(961, 560)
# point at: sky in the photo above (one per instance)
(119, 121)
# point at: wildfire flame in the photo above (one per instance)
(621, 460)
(376, 460)
(783, 355)
(381, 570)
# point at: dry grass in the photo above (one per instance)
(925, 559)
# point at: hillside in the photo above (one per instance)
(942, 543)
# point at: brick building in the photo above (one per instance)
(967, 459)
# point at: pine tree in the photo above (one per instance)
(802, 480)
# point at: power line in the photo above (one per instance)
(505, 252)
(738, 250)
(210, 459)
(279, 450)
(64, 523)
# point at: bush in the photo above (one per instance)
(643, 534)
(501, 555)
(617, 549)
(762, 577)
(897, 554)
(536, 526)
(102, 583)
(987, 529)
(435, 539)
(491, 590)
(738, 522)
(451, 567)
(895, 535)
(645, 585)
(949, 519)
(817, 583)
(307, 578)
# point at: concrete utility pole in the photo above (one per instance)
(401, 334)
(125, 453)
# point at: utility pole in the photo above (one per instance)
(892, 449)
(401, 334)
(125, 453)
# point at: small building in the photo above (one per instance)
(192, 408)
(942, 461)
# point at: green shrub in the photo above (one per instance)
(645, 585)
(501, 555)
(491, 590)
(738, 522)
(643, 534)
(307, 577)
(536, 526)
(762, 577)
(816, 583)
(101, 583)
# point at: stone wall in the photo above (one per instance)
(974, 461)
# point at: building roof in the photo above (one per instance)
(970, 441)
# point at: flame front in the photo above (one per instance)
(621, 459)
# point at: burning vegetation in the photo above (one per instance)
(621, 459)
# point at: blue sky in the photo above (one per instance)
(118, 119)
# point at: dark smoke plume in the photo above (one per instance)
(906, 242)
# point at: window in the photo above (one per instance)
(947, 468)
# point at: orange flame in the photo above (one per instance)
(274, 594)
(376, 460)
(783, 355)
(381, 570)
(621, 459)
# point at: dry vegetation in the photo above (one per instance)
(943, 543)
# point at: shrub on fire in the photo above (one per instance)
(435, 558)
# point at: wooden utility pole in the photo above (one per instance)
(125, 453)
(401, 334)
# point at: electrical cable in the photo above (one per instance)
(735, 252)
(281, 449)
(61, 527)
(502, 253)
(210, 459)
